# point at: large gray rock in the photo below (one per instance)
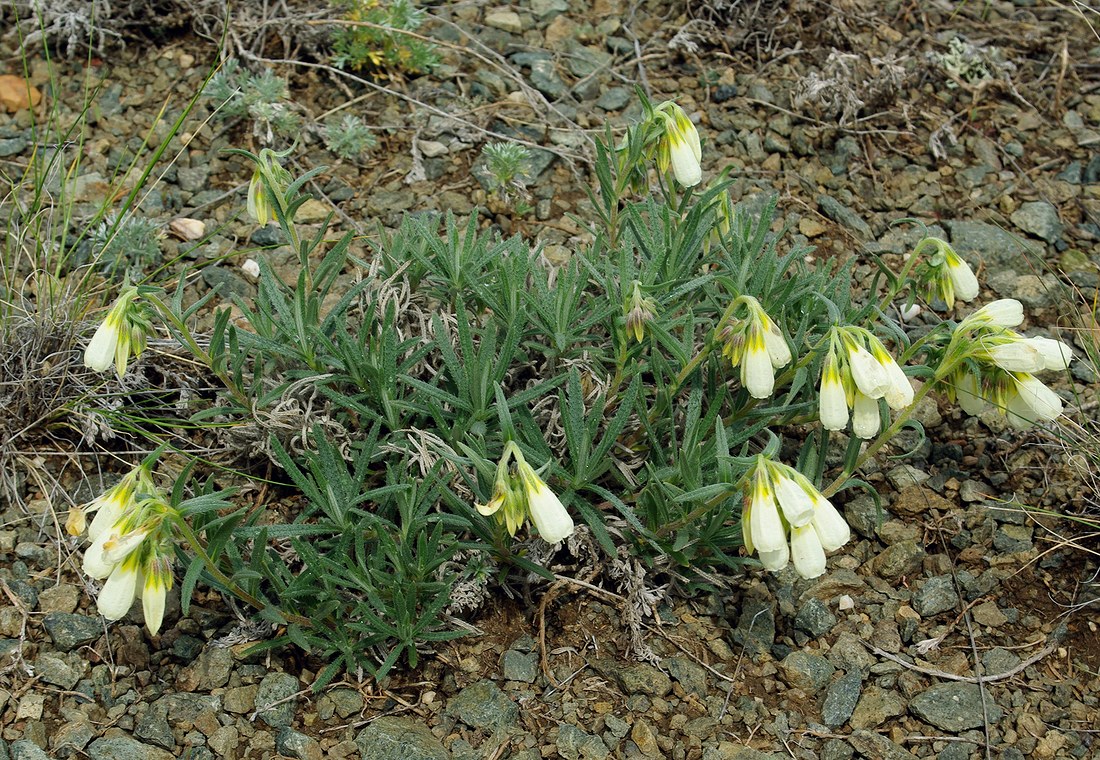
(390, 738)
(998, 248)
(954, 706)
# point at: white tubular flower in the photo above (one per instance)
(968, 393)
(1017, 356)
(832, 400)
(1007, 312)
(100, 353)
(1032, 402)
(869, 375)
(797, 504)
(682, 141)
(963, 281)
(778, 349)
(807, 552)
(899, 393)
(832, 529)
(757, 371)
(1056, 354)
(157, 580)
(865, 416)
(546, 510)
(119, 591)
(768, 534)
(775, 561)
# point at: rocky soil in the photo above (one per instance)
(957, 624)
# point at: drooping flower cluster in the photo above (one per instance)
(519, 493)
(268, 178)
(944, 274)
(754, 343)
(987, 362)
(122, 333)
(638, 311)
(132, 536)
(856, 373)
(786, 518)
(678, 144)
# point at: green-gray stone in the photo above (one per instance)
(575, 744)
(936, 595)
(293, 744)
(484, 705)
(841, 214)
(814, 617)
(879, 747)
(841, 698)
(25, 749)
(807, 671)
(520, 666)
(875, 706)
(954, 707)
(1040, 219)
(274, 702)
(390, 738)
(690, 675)
(70, 631)
(125, 748)
(614, 98)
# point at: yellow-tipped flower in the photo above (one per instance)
(121, 334)
(832, 398)
(679, 145)
(856, 373)
(156, 583)
(944, 274)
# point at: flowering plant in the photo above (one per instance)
(683, 380)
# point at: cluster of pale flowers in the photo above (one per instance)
(132, 538)
(122, 333)
(995, 365)
(520, 494)
(755, 344)
(786, 518)
(856, 373)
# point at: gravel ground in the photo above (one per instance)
(951, 627)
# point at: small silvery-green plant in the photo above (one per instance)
(507, 168)
(349, 138)
(262, 98)
(674, 391)
(126, 243)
